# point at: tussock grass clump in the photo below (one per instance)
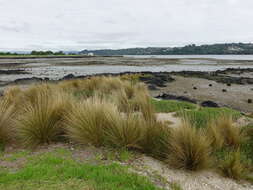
(12, 95)
(7, 115)
(99, 123)
(143, 103)
(215, 136)
(156, 139)
(189, 148)
(233, 166)
(86, 122)
(125, 131)
(39, 91)
(233, 135)
(41, 120)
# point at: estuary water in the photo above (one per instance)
(59, 67)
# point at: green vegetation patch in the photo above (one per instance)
(52, 171)
(167, 106)
(198, 116)
(202, 116)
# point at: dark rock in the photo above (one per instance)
(249, 101)
(13, 72)
(165, 96)
(209, 103)
(156, 79)
(152, 87)
(69, 76)
(210, 85)
(32, 79)
(228, 84)
(144, 78)
(224, 90)
(221, 76)
(195, 88)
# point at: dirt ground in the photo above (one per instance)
(236, 96)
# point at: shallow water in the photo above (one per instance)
(57, 68)
(220, 57)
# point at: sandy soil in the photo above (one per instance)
(170, 118)
(205, 180)
(236, 96)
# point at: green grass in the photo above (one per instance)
(198, 116)
(52, 170)
(167, 106)
(202, 116)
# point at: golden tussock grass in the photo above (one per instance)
(41, 118)
(12, 95)
(7, 116)
(156, 138)
(189, 148)
(233, 135)
(232, 166)
(215, 136)
(125, 131)
(86, 122)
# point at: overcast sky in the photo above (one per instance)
(96, 24)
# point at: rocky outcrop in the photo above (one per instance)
(221, 76)
(13, 72)
(157, 79)
(209, 103)
(166, 96)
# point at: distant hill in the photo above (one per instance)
(220, 49)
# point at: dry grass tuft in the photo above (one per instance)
(233, 135)
(156, 139)
(189, 148)
(232, 166)
(143, 103)
(12, 95)
(125, 131)
(86, 122)
(7, 115)
(215, 136)
(41, 120)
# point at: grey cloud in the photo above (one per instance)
(78, 24)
